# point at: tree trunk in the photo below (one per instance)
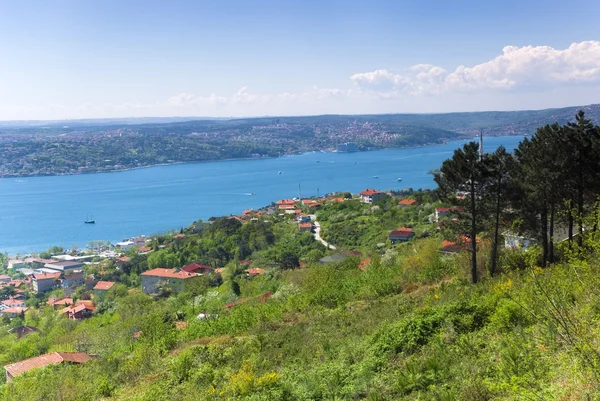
(551, 231)
(544, 227)
(580, 212)
(496, 228)
(570, 221)
(473, 235)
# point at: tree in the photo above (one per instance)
(500, 165)
(465, 172)
(288, 260)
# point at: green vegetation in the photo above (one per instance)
(412, 324)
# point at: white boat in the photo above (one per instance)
(279, 172)
(375, 176)
(399, 179)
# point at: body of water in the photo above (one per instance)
(38, 212)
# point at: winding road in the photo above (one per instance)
(318, 236)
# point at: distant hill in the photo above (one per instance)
(492, 122)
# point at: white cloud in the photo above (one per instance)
(190, 99)
(516, 67)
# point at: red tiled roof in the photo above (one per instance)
(41, 361)
(408, 202)
(305, 225)
(124, 259)
(402, 232)
(14, 309)
(60, 301)
(81, 307)
(370, 192)
(168, 273)
(194, 267)
(103, 285)
(245, 262)
(285, 202)
(363, 263)
(181, 325)
(179, 236)
(45, 276)
(255, 271)
(287, 207)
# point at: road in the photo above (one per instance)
(318, 236)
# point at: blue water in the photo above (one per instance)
(38, 212)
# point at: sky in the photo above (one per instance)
(69, 59)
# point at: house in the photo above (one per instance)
(102, 287)
(43, 282)
(401, 235)
(171, 278)
(60, 303)
(516, 241)
(371, 196)
(197, 268)
(5, 278)
(13, 311)
(13, 303)
(305, 227)
(286, 202)
(142, 250)
(125, 245)
(38, 263)
(408, 202)
(453, 248)
(54, 358)
(16, 264)
(441, 212)
(119, 262)
(64, 265)
(72, 280)
(255, 271)
(79, 311)
(22, 331)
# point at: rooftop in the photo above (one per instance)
(104, 285)
(168, 273)
(370, 191)
(41, 361)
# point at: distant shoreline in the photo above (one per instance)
(18, 176)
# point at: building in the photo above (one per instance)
(197, 268)
(60, 303)
(347, 147)
(64, 266)
(408, 202)
(54, 358)
(13, 303)
(155, 278)
(43, 282)
(441, 212)
(38, 263)
(5, 278)
(16, 264)
(371, 196)
(72, 280)
(401, 235)
(22, 331)
(515, 241)
(13, 311)
(102, 287)
(78, 312)
(305, 227)
(255, 271)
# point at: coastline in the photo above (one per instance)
(19, 176)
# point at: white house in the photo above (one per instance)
(16, 264)
(515, 241)
(371, 195)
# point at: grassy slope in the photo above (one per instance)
(409, 327)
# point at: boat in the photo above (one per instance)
(90, 220)
(252, 193)
(279, 172)
(399, 179)
(317, 161)
(375, 176)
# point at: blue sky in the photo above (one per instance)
(81, 59)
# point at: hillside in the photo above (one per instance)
(407, 325)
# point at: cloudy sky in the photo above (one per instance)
(80, 59)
